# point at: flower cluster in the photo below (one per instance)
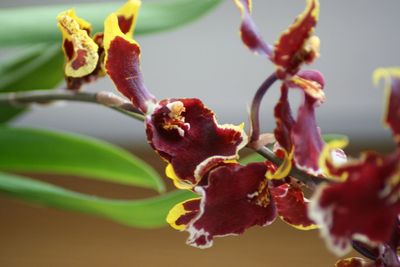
(359, 200)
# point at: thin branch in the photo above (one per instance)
(106, 99)
(308, 179)
(255, 107)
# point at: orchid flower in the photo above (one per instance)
(183, 131)
(296, 46)
(84, 54)
(364, 201)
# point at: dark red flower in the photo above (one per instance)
(235, 198)
(182, 131)
(392, 112)
(297, 45)
(364, 202)
(84, 54)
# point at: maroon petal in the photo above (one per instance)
(284, 120)
(307, 138)
(249, 32)
(292, 206)
(186, 134)
(123, 65)
(356, 262)
(297, 45)
(392, 114)
(183, 213)
(235, 199)
(311, 82)
(364, 207)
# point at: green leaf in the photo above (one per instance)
(8, 112)
(38, 67)
(145, 213)
(330, 137)
(31, 25)
(40, 151)
(254, 157)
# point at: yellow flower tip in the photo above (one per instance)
(284, 169)
(68, 20)
(385, 74)
(130, 10)
(170, 173)
(301, 227)
(315, 13)
(112, 30)
(326, 155)
(173, 215)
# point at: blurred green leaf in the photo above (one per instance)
(254, 157)
(330, 137)
(40, 67)
(37, 67)
(145, 213)
(42, 151)
(38, 24)
(8, 112)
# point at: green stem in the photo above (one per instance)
(106, 99)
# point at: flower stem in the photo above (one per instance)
(255, 107)
(107, 99)
(310, 180)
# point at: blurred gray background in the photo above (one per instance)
(207, 60)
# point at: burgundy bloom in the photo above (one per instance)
(84, 55)
(182, 131)
(364, 207)
(297, 45)
(299, 138)
(364, 203)
(392, 112)
(235, 198)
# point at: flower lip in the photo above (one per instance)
(186, 134)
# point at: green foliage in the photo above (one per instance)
(146, 213)
(40, 151)
(33, 25)
(38, 67)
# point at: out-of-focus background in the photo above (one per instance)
(207, 60)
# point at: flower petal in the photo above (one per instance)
(235, 199)
(364, 207)
(307, 139)
(311, 81)
(186, 134)
(122, 63)
(80, 50)
(284, 120)
(249, 32)
(183, 213)
(354, 262)
(292, 206)
(127, 16)
(392, 114)
(297, 45)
